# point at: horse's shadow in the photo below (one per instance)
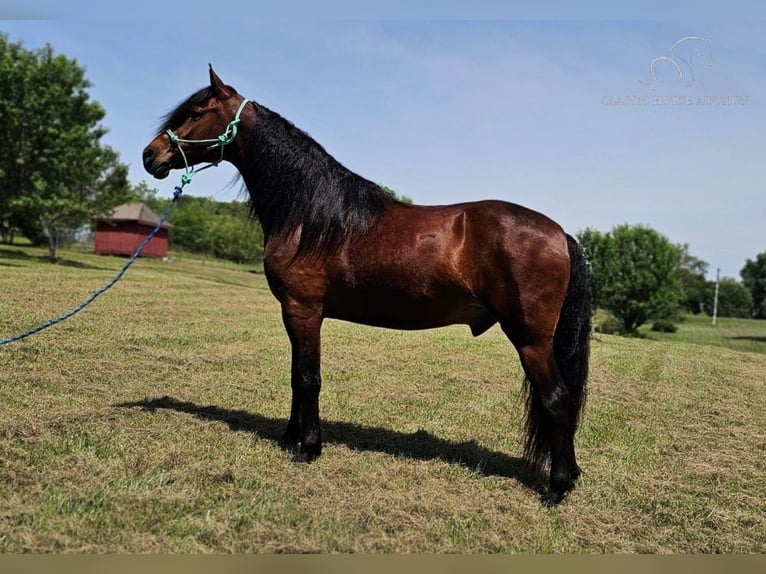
(420, 445)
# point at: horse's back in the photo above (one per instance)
(469, 241)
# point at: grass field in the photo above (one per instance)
(149, 423)
(739, 334)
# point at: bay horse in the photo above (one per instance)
(336, 246)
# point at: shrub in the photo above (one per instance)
(609, 326)
(664, 326)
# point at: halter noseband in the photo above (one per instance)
(221, 141)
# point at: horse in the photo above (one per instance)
(337, 246)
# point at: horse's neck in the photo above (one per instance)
(295, 184)
(265, 197)
(258, 203)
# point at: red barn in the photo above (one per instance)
(121, 231)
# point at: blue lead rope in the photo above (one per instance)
(120, 273)
(221, 141)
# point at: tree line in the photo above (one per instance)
(205, 226)
(638, 275)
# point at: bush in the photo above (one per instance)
(664, 326)
(609, 326)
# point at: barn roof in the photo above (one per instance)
(137, 212)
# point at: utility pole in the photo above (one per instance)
(715, 297)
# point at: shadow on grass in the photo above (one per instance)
(21, 255)
(757, 339)
(419, 445)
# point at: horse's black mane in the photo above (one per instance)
(176, 117)
(293, 182)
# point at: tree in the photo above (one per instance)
(148, 195)
(234, 236)
(203, 225)
(54, 172)
(634, 274)
(754, 279)
(392, 193)
(691, 275)
(191, 217)
(734, 300)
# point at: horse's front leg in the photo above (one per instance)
(303, 326)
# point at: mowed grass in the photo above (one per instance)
(149, 423)
(739, 334)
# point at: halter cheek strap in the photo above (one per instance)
(221, 142)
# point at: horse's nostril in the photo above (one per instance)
(149, 154)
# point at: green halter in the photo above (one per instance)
(221, 141)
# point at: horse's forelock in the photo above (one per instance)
(175, 117)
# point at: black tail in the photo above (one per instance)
(571, 342)
(571, 349)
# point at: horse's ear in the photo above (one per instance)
(221, 90)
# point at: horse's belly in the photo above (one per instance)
(394, 310)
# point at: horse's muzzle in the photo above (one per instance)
(159, 170)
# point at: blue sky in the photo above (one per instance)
(551, 114)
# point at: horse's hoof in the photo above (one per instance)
(288, 441)
(553, 498)
(559, 489)
(305, 455)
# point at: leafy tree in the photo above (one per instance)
(191, 216)
(205, 226)
(54, 172)
(754, 279)
(148, 195)
(392, 193)
(634, 274)
(734, 300)
(235, 238)
(691, 275)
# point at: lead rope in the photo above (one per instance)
(223, 140)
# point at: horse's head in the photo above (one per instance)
(197, 131)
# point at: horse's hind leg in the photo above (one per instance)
(549, 429)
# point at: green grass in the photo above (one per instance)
(739, 334)
(149, 423)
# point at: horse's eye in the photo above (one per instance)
(195, 115)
